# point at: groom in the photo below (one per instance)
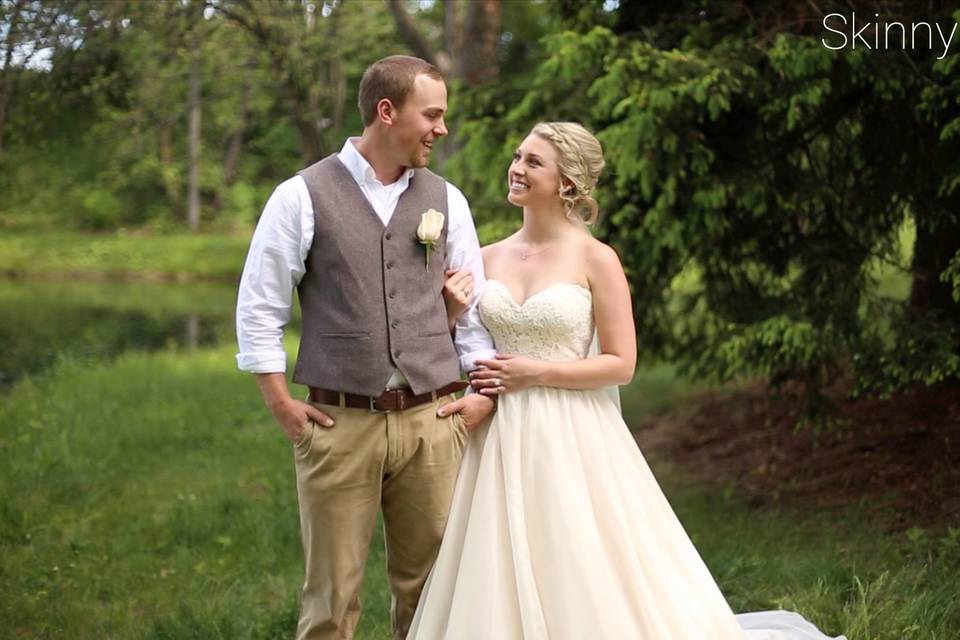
(381, 429)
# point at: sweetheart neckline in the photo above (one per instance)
(543, 290)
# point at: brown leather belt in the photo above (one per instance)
(389, 400)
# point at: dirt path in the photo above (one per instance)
(899, 458)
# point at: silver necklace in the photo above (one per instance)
(524, 254)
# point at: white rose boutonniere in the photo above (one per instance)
(429, 230)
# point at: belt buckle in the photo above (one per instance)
(373, 404)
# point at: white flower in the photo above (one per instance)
(429, 230)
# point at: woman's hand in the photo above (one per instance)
(507, 373)
(457, 293)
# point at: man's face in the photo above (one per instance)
(419, 122)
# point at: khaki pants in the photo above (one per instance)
(404, 463)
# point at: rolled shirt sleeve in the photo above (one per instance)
(274, 266)
(472, 340)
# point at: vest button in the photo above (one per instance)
(392, 294)
(397, 354)
(394, 324)
(389, 236)
(390, 265)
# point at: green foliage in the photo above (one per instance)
(756, 190)
(101, 209)
(952, 275)
(100, 139)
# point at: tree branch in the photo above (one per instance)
(409, 32)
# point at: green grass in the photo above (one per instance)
(152, 497)
(838, 572)
(119, 255)
(654, 388)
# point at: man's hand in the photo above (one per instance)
(473, 408)
(293, 415)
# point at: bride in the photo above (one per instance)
(558, 530)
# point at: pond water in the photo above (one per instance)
(42, 321)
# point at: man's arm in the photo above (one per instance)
(472, 340)
(292, 415)
(275, 263)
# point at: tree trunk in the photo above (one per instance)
(308, 138)
(297, 91)
(410, 33)
(453, 28)
(453, 45)
(476, 63)
(231, 159)
(192, 331)
(168, 168)
(234, 148)
(471, 33)
(6, 73)
(931, 255)
(335, 93)
(194, 105)
(4, 101)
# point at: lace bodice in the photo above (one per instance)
(556, 323)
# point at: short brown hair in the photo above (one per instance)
(391, 78)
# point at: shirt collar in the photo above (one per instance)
(361, 170)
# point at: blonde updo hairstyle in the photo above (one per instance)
(580, 160)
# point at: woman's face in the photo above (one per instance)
(533, 177)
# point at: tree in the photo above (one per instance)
(758, 186)
(471, 34)
(194, 107)
(28, 27)
(112, 116)
(467, 52)
(313, 58)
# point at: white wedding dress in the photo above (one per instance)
(558, 530)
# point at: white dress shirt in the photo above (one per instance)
(277, 257)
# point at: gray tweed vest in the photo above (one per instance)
(369, 303)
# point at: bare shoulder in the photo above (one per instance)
(490, 250)
(600, 255)
(495, 251)
(602, 262)
(489, 253)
